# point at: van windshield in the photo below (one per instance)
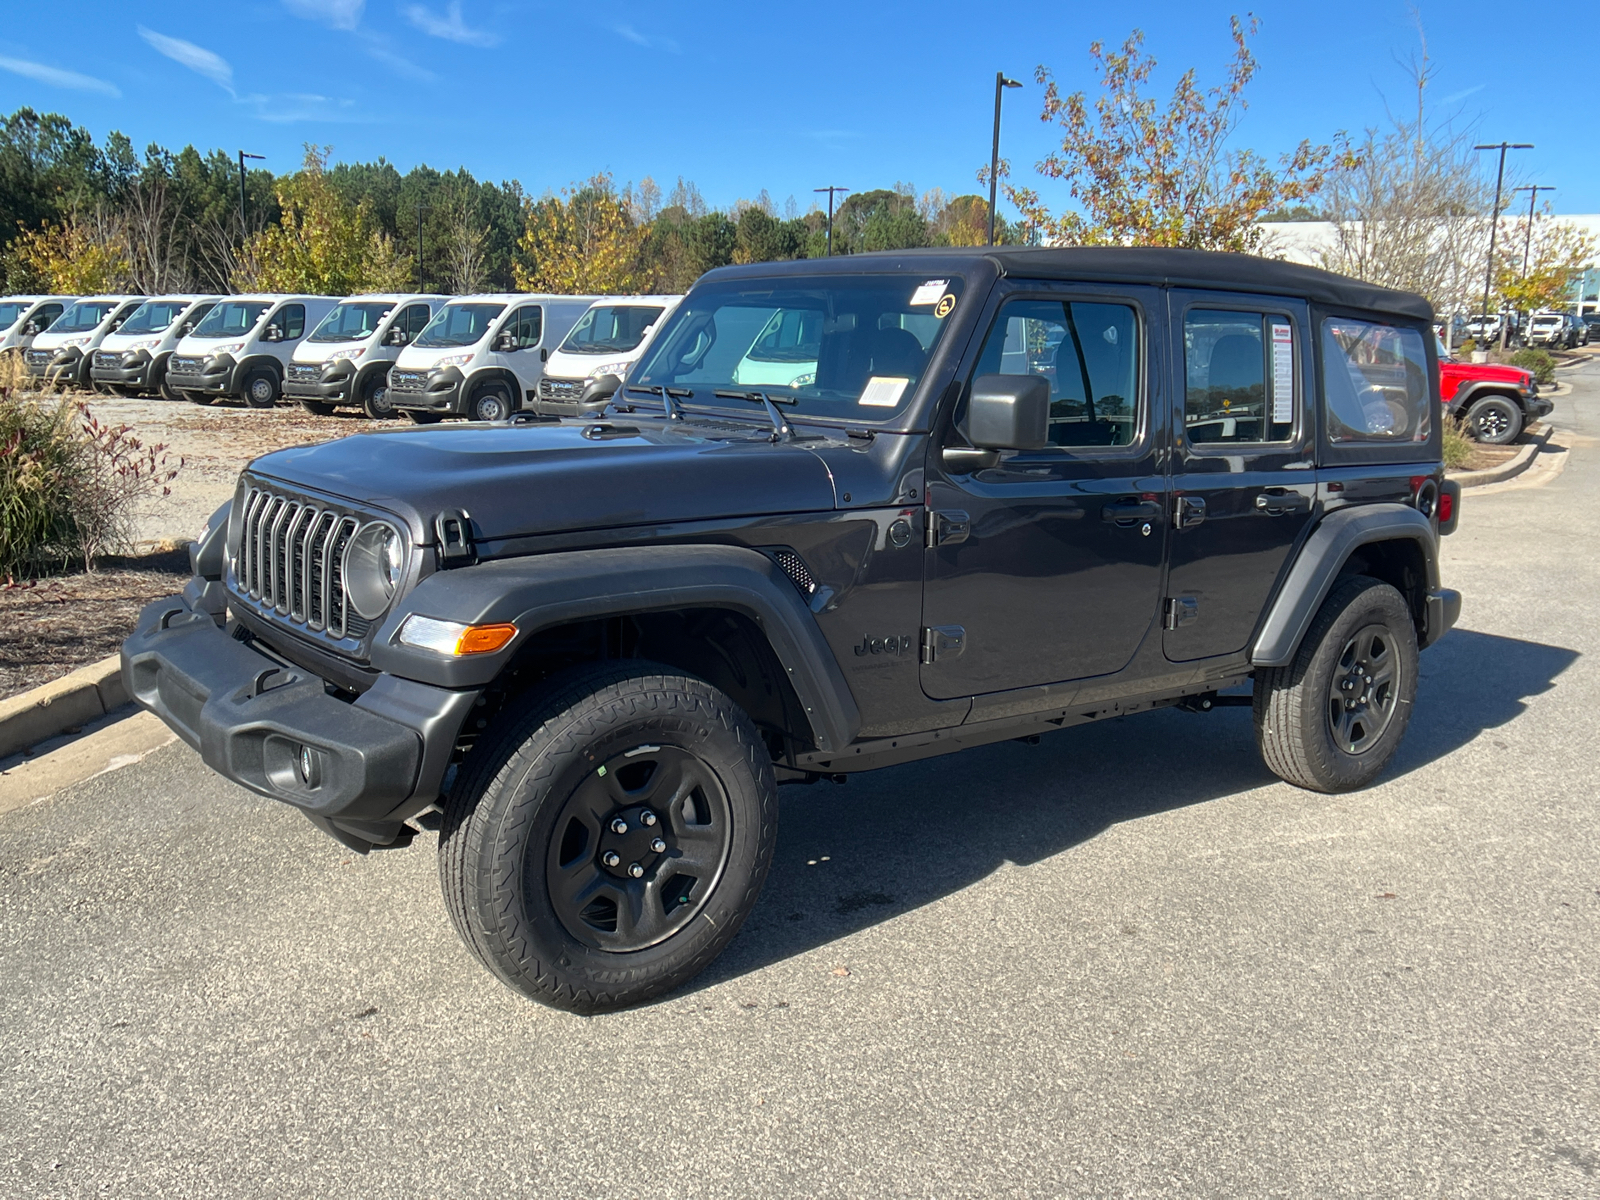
(84, 316)
(10, 311)
(459, 325)
(231, 318)
(850, 347)
(612, 328)
(352, 322)
(154, 316)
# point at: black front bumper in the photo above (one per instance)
(441, 393)
(134, 376)
(328, 387)
(261, 721)
(216, 376)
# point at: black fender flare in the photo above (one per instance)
(492, 375)
(1470, 393)
(358, 383)
(1322, 557)
(242, 369)
(546, 590)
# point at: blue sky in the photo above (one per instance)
(738, 96)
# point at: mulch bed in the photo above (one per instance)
(55, 625)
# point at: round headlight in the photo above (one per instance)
(372, 564)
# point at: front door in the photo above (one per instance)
(1046, 566)
(1243, 481)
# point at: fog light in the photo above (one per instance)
(452, 638)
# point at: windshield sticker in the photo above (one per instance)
(883, 391)
(1282, 374)
(928, 293)
(946, 303)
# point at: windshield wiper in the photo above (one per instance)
(674, 412)
(782, 431)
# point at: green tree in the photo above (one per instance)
(584, 243)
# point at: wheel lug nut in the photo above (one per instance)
(635, 870)
(611, 858)
(619, 826)
(648, 817)
(658, 845)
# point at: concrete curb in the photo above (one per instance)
(61, 705)
(1513, 466)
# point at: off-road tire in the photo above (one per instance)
(319, 408)
(1494, 421)
(492, 402)
(375, 397)
(261, 389)
(511, 801)
(1294, 728)
(421, 417)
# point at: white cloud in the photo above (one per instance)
(197, 58)
(56, 77)
(641, 39)
(450, 26)
(399, 64)
(341, 14)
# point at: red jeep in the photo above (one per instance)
(1492, 402)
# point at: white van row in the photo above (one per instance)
(430, 357)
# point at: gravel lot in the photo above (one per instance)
(1124, 962)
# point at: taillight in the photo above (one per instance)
(1447, 508)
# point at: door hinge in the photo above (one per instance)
(942, 641)
(1181, 611)
(1188, 511)
(947, 528)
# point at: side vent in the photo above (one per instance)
(795, 568)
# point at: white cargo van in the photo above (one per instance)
(22, 318)
(242, 348)
(133, 360)
(62, 353)
(481, 356)
(607, 340)
(346, 359)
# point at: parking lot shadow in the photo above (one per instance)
(890, 841)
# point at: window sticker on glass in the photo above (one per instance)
(883, 391)
(929, 293)
(1282, 374)
(946, 303)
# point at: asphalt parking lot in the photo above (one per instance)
(1127, 961)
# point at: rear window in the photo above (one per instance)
(1375, 381)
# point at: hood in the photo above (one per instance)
(422, 358)
(536, 479)
(1494, 372)
(316, 353)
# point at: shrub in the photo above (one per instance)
(70, 487)
(1467, 346)
(1457, 449)
(1537, 361)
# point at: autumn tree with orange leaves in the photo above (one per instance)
(1145, 175)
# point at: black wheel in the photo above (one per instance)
(491, 402)
(319, 408)
(602, 846)
(1495, 421)
(201, 398)
(164, 389)
(419, 417)
(1332, 719)
(375, 397)
(261, 388)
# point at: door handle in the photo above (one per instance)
(1276, 501)
(1127, 513)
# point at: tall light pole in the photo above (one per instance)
(244, 230)
(1494, 226)
(831, 190)
(1000, 85)
(421, 208)
(1527, 241)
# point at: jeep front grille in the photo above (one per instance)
(290, 560)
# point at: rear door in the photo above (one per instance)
(1046, 566)
(1243, 481)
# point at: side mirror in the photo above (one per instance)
(115, 325)
(544, 354)
(1009, 412)
(600, 389)
(506, 343)
(32, 327)
(272, 333)
(185, 329)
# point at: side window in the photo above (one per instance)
(1089, 353)
(292, 319)
(413, 319)
(525, 327)
(1375, 380)
(195, 317)
(1239, 376)
(47, 315)
(127, 311)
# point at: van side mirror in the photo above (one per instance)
(186, 329)
(1009, 412)
(30, 328)
(599, 390)
(272, 333)
(544, 354)
(505, 343)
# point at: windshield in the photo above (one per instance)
(10, 311)
(612, 328)
(459, 325)
(231, 318)
(352, 322)
(154, 316)
(846, 347)
(81, 318)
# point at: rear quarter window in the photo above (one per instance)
(1375, 383)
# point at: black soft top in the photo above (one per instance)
(1158, 265)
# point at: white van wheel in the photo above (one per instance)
(491, 403)
(261, 389)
